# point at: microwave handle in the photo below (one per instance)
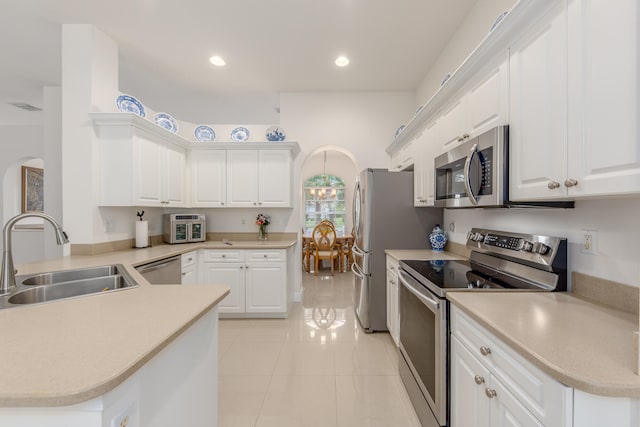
(467, 169)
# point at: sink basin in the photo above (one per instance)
(70, 289)
(72, 275)
(58, 285)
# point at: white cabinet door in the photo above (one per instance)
(604, 139)
(149, 161)
(506, 410)
(488, 100)
(402, 159)
(538, 111)
(452, 124)
(431, 151)
(274, 178)
(266, 287)
(189, 275)
(419, 164)
(230, 274)
(393, 319)
(174, 177)
(208, 178)
(469, 403)
(242, 178)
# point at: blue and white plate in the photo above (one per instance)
(419, 109)
(240, 134)
(275, 133)
(164, 120)
(399, 130)
(128, 104)
(444, 79)
(204, 133)
(498, 20)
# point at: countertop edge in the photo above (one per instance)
(556, 372)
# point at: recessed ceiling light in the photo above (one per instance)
(217, 61)
(342, 61)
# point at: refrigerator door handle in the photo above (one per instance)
(356, 250)
(356, 208)
(356, 270)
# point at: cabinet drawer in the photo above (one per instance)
(546, 398)
(222, 255)
(189, 259)
(266, 255)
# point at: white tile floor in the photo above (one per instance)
(316, 368)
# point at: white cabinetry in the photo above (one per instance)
(427, 148)
(393, 319)
(403, 159)
(491, 385)
(259, 178)
(189, 268)
(139, 164)
(208, 178)
(257, 279)
(483, 105)
(574, 122)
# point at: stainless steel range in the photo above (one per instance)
(499, 261)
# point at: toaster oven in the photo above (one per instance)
(184, 228)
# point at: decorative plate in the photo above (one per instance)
(128, 104)
(164, 120)
(444, 79)
(275, 133)
(240, 134)
(419, 109)
(498, 20)
(204, 133)
(399, 130)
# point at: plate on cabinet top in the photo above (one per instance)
(399, 130)
(498, 20)
(444, 79)
(167, 122)
(129, 104)
(275, 133)
(204, 133)
(240, 134)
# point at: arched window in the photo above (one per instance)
(324, 198)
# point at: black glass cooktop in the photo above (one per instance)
(443, 275)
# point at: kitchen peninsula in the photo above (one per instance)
(141, 356)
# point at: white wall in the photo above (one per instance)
(473, 29)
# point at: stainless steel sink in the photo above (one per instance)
(65, 284)
(72, 275)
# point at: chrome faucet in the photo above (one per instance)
(8, 278)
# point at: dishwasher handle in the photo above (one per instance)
(157, 265)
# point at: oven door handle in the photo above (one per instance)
(431, 303)
(467, 170)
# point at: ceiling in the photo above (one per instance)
(270, 46)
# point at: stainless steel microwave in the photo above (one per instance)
(184, 228)
(475, 173)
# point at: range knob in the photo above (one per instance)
(476, 237)
(540, 248)
(527, 246)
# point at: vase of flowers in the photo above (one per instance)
(262, 221)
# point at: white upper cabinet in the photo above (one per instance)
(403, 158)
(259, 178)
(141, 164)
(574, 103)
(538, 110)
(208, 178)
(604, 142)
(452, 124)
(426, 148)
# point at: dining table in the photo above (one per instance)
(344, 243)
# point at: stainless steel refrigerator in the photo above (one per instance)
(384, 218)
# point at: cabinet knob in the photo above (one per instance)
(460, 139)
(491, 393)
(254, 203)
(570, 182)
(264, 256)
(184, 274)
(485, 351)
(241, 267)
(466, 136)
(552, 185)
(222, 203)
(260, 203)
(224, 255)
(393, 282)
(478, 379)
(246, 267)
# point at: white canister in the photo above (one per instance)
(142, 234)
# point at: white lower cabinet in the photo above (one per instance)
(257, 280)
(393, 314)
(189, 268)
(492, 385)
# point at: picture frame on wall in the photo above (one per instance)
(32, 189)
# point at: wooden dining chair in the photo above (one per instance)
(324, 244)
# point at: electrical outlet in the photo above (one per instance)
(589, 242)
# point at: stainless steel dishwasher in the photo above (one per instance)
(163, 272)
